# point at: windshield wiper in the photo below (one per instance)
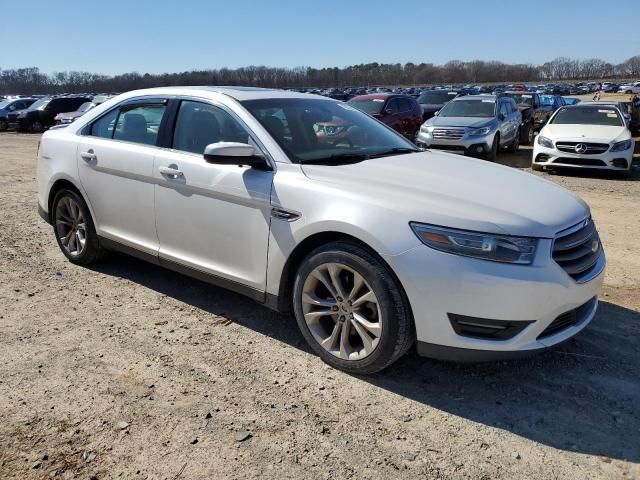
(338, 159)
(349, 158)
(394, 151)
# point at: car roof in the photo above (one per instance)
(237, 93)
(476, 97)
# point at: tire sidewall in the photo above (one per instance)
(389, 298)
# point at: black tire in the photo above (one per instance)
(515, 145)
(527, 134)
(537, 168)
(36, 127)
(493, 153)
(4, 126)
(92, 251)
(398, 332)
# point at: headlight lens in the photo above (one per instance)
(544, 142)
(621, 146)
(479, 131)
(485, 246)
(426, 129)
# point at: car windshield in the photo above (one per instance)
(325, 131)
(588, 116)
(43, 102)
(436, 98)
(367, 105)
(523, 99)
(86, 106)
(4, 103)
(469, 108)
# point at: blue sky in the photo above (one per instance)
(168, 36)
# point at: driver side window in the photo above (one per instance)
(200, 124)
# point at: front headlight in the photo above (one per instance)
(621, 146)
(485, 246)
(544, 142)
(479, 131)
(426, 129)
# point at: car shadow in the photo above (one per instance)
(582, 396)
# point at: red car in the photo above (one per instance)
(400, 112)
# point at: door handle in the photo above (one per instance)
(88, 156)
(171, 172)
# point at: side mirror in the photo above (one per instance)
(436, 113)
(387, 111)
(233, 153)
(502, 116)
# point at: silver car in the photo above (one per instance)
(475, 125)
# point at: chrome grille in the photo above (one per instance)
(578, 249)
(448, 133)
(585, 148)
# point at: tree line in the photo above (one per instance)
(32, 81)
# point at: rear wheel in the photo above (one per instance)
(37, 127)
(74, 229)
(350, 309)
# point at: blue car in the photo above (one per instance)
(11, 105)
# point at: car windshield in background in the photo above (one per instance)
(5, 103)
(86, 106)
(526, 100)
(469, 108)
(43, 102)
(588, 116)
(436, 98)
(370, 106)
(325, 131)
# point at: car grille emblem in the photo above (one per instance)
(581, 148)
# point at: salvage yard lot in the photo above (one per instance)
(130, 371)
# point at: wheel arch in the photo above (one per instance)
(62, 183)
(283, 303)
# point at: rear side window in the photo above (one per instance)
(200, 124)
(393, 106)
(139, 124)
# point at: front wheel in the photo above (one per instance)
(37, 127)
(4, 126)
(515, 145)
(493, 153)
(527, 134)
(350, 309)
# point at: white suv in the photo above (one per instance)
(370, 242)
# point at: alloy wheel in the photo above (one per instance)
(341, 311)
(70, 226)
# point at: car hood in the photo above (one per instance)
(458, 192)
(431, 107)
(594, 133)
(473, 122)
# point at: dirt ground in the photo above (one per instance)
(129, 371)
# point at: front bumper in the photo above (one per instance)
(469, 145)
(551, 157)
(441, 287)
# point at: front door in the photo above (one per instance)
(212, 218)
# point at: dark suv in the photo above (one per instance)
(433, 100)
(9, 106)
(41, 115)
(400, 112)
(535, 114)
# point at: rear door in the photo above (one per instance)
(115, 165)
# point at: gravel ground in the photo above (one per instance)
(129, 371)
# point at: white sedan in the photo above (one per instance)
(373, 245)
(587, 136)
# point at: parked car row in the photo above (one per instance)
(36, 114)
